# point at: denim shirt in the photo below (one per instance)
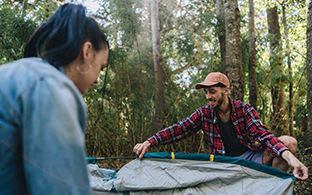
(42, 121)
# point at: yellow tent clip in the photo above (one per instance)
(211, 157)
(172, 155)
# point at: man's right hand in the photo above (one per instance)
(142, 148)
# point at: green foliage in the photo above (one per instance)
(18, 22)
(15, 31)
(245, 63)
(121, 115)
(121, 106)
(122, 103)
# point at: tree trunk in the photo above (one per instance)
(158, 71)
(291, 93)
(233, 67)
(307, 138)
(24, 8)
(221, 32)
(278, 117)
(252, 57)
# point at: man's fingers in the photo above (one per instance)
(296, 173)
(144, 150)
(141, 155)
(141, 149)
(137, 148)
(301, 174)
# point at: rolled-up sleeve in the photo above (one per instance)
(179, 131)
(261, 134)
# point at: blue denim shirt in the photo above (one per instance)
(42, 121)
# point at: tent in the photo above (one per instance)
(185, 173)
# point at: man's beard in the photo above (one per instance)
(219, 102)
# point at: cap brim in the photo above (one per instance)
(205, 84)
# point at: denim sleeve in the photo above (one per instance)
(53, 118)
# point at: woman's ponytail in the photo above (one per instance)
(60, 39)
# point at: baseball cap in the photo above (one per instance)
(214, 78)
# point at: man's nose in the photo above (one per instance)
(208, 96)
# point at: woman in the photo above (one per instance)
(42, 112)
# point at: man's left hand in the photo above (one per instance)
(300, 171)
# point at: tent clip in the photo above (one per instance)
(172, 155)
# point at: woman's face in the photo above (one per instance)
(98, 61)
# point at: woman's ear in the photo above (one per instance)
(87, 51)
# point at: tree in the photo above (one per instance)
(158, 70)
(291, 93)
(122, 106)
(233, 67)
(279, 116)
(307, 139)
(252, 57)
(221, 32)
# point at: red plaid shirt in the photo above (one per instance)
(250, 132)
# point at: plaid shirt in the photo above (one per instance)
(250, 132)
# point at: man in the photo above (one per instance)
(232, 128)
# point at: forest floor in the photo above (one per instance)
(300, 187)
(304, 187)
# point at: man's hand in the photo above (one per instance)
(299, 170)
(142, 148)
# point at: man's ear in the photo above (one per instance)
(87, 50)
(226, 90)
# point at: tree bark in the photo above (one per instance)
(252, 57)
(307, 138)
(233, 67)
(221, 32)
(291, 93)
(278, 117)
(24, 7)
(158, 71)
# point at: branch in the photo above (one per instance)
(165, 30)
(99, 17)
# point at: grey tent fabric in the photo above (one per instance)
(182, 176)
(101, 179)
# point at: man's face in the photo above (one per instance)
(215, 95)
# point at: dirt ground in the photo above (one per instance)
(304, 187)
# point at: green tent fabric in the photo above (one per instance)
(158, 173)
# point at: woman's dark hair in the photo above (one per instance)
(62, 36)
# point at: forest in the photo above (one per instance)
(160, 49)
